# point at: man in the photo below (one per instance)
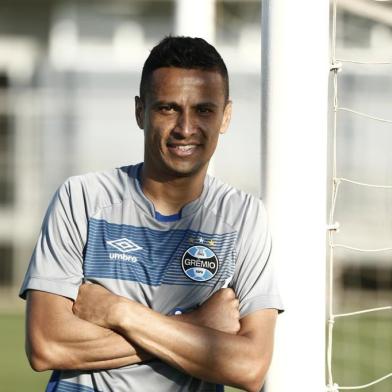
(179, 294)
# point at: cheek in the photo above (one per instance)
(216, 121)
(152, 139)
(213, 129)
(160, 126)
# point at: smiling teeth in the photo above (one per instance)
(185, 148)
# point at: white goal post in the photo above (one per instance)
(295, 68)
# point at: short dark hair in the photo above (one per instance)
(184, 52)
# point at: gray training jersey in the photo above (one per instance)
(101, 228)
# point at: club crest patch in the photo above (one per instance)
(199, 263)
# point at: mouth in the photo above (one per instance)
(182, 150)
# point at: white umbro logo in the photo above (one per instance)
(124, 245)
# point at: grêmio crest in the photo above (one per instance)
(199, 263)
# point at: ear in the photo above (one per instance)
(139, 112)
(226, 117)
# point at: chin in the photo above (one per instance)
(185, 170)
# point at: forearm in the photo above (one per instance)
(59, 340)
(209, 343)
(199, 351)
(82, 345)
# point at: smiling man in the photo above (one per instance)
(156, 276)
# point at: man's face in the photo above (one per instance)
(183, 113)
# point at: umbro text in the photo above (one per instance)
(123, 257)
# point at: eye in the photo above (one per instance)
(204, 110)
(166, 109)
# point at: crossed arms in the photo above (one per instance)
(102, 331)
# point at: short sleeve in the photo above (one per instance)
(56, 265)
(254, 280)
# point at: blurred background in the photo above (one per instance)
(69, 71)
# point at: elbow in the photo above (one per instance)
(37, 359)
(254, 380)
(38, 365)
(42, 357)
(252, 375)
(254, 383)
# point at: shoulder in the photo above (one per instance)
(235, 206)
(96, 190)
(112, 181)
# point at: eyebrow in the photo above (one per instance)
(209, 104)
(176, 105)
(168, 103)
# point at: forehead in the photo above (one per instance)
(176, 83)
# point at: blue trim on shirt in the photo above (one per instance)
(220, 388)
(53, 382)
(66, 386)
(139, 173)
(167, 218)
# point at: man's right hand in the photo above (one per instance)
(219, 312)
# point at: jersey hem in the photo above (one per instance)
(54, 287)
(261, 302)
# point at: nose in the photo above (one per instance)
(185, 125)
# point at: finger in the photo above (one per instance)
(228, 293)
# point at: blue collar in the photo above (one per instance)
(167, 218)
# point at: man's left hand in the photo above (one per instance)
(96, 305)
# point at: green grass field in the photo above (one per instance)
(15, 372)
(363, 350)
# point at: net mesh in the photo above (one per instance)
(345, 322)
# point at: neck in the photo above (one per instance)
(171, 194)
